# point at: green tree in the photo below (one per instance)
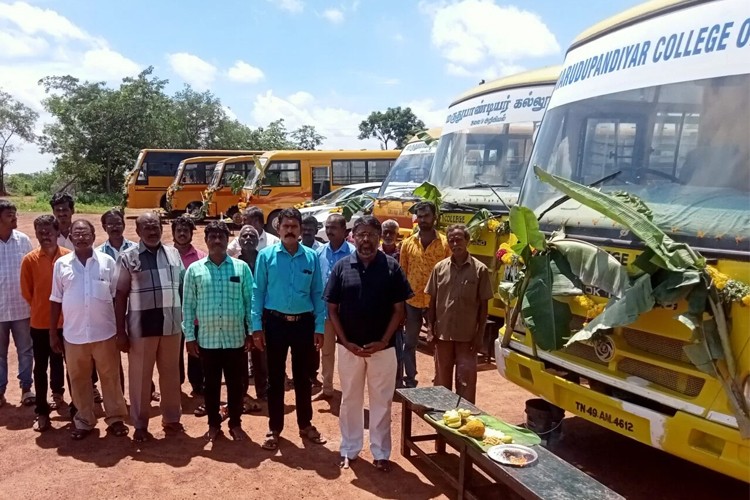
(396, 125)
(16, 123)
(198, 118)
(306, 137)
(275, 136)
(98, 131)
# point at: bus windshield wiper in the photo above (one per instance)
(483, 185)
(562, 199)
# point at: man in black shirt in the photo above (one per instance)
(366, 292)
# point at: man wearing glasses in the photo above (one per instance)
(366, 296)
(113, 223)
(83, 286)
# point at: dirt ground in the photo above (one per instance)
(50, 465)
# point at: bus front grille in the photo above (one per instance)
(678, 382)
(655, 344)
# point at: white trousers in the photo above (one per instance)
(379, 372)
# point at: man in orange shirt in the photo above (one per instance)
(36, 285)
(419, 254)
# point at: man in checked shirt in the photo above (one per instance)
(218, 292)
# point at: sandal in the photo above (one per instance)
(41, 423)
(142, 435)
(118, 429)
(57, 402)
(238, 434)
(311, 434)
(271, 442)
(345, 462)
(200, 411)
(383, 465)
(250, 406)
(213, 434)
(28, 398)
(173, 427)
(78, 434)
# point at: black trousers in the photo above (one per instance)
(230, 363)
(260, 373)
(44, 357)
(194, 368)
(314, 364)
(281, 336)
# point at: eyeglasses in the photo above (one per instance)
(80, 236)
(114, 225)
(364, 235)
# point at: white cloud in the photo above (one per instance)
(192, 69)
(231, 114)
(426, 111)
(38, 42)
(293, 6)
(35, 20)
(482, 38)
(335, 16)
(338, 125)
(245, 73)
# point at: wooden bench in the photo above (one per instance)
(549, 477)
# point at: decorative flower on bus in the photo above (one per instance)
(592, 308)
(507, 256)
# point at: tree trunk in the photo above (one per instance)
(108, 187)
(3, 192)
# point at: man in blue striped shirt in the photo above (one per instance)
(288, 312)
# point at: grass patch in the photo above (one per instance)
(84, 204)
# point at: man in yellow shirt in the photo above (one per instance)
(419, 254)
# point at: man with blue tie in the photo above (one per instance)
(288, 312)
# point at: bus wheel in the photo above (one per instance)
(272, 224)
(194, 209)
(163, 202)
(234, 214)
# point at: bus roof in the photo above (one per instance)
(337, 154)
(232, 152)
(433, 132)
(237, 159)
(200, 159)
(630, 16)
(539, 76)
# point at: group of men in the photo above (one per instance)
(362, 299)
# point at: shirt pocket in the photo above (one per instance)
(101, 291)
(302, 282)
(468, 289)
(234, 288)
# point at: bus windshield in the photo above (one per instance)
(222, 175)
(196, 173)
(683, 148)
(485, 146)
(410, 170)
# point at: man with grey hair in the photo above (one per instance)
(148, 311)
(459, 289)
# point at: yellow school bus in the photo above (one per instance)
(146, 184)
(654, 102)
(482, 155)
(291, 177)
(218, 197)
(411, 169)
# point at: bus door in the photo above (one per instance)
(321, 176)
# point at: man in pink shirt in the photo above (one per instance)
(182, 235)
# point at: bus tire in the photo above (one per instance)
(163, 202)
(194, 209)
(269, 223)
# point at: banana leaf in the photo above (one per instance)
(429, 192)
(620, 311)
(525, 227)
(520, 435)
(594, 266)
(668, 253)
(547, 319)
(674, 286)
(475, 223)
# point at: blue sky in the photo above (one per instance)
(320, 62)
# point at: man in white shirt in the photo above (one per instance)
(83, 287)
(253, 216)
(63, 208)
(14, 310)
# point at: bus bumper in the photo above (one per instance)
(691, 437)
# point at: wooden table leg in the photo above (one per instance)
(405, 428)
(440, 445)
(464, 470)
